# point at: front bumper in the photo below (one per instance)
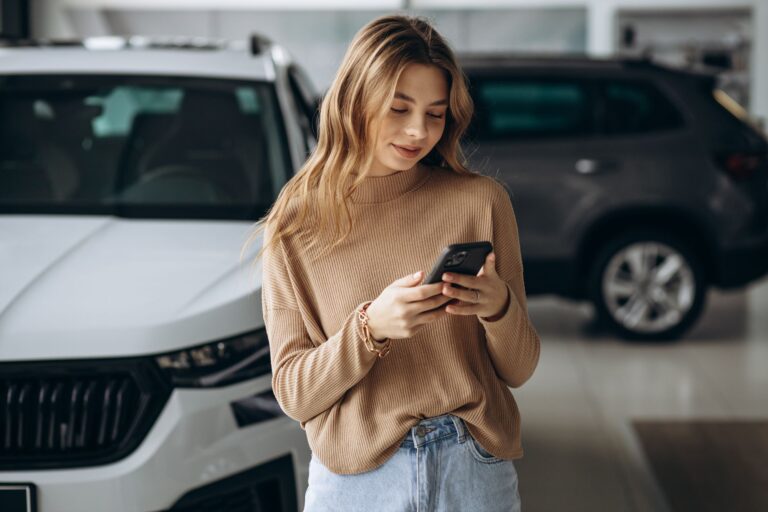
(194, 445)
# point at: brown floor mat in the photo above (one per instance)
(709, 465)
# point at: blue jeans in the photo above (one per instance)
(438, 467)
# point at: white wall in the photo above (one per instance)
(319, 38)
(54, 18)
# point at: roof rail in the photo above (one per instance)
(256, 43)
(13, 42)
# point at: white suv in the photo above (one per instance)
(134, 366)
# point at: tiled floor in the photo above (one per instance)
(581, 452)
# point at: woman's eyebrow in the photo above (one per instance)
(405, 97)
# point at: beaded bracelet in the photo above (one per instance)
(369, 342)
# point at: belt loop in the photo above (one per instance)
(459, 424)
(415, 437)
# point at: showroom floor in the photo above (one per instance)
(581, 449)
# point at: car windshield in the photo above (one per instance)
(131, 146)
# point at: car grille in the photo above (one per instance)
(57, 414)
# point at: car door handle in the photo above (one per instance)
(592, 166)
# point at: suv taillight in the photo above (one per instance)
(741, 165)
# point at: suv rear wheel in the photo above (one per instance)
(647, 286)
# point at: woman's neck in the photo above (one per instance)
(380, 189)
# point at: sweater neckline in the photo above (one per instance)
(380, 189)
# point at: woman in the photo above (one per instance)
(402, 387)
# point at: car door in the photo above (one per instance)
(536, 132)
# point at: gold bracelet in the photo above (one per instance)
(368, 340)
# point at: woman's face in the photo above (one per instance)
(415, 121)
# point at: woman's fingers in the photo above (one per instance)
(476, 282)
(432, 314)
(429, 304)
(459, 293)
(421, 292)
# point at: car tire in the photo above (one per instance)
(660, 273)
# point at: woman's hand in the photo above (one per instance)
(404, 306)
(486, 294)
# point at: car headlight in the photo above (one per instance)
(218, 363)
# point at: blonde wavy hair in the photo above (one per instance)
(350, 112)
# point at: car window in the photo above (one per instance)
(122, 104)
(140, 146)
(519, 108)
(635, 107)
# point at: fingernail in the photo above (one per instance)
(417, 274)
(447, 277)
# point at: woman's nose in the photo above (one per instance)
(416, 128)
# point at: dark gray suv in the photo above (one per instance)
(636, 186)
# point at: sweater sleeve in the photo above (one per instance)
(307, 378)
(513, 342)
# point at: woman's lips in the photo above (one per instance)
(406, 153)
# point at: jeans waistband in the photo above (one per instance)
(433, 429)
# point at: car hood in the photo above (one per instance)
(85, 287)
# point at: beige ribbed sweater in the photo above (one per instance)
(355, 407)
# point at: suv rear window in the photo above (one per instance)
(635, 107)
(164, 147)
(520, 108)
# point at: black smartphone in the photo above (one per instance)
(466, 258)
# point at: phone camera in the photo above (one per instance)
(456, 259)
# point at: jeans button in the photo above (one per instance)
(420, 431)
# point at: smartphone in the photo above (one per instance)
(466, 258)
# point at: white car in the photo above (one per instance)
(134, 366)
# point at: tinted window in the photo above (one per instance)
(636, 108)
(132, 146)
(520, 109)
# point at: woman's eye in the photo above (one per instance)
(402, 111)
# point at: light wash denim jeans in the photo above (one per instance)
(438, 467)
